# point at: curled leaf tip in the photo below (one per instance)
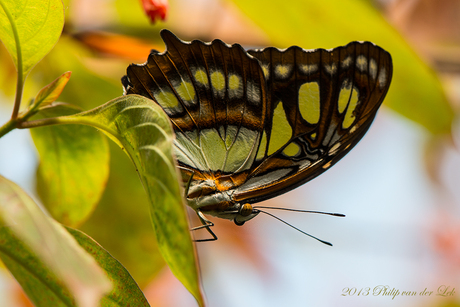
(52, 91)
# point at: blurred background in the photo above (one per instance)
(399, 188)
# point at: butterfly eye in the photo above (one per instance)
(246, 210)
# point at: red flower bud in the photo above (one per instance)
(155, 9)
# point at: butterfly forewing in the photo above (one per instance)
(215, 96)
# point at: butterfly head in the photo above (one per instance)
(220, 205)
(214, 196)
(245, 213)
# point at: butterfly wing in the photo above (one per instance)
(215, 96)
(320, 104)
(262, 122)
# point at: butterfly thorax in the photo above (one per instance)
(208, 197)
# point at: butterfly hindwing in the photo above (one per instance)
(322, 102)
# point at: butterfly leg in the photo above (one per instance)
(206, 224)
(187, 186)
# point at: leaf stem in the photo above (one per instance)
(66, 120)
(7, 127)
(21, 77)
(41, 123)
(18, 98)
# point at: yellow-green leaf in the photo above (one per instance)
(52, 246)
(52, 91)
(29, 29)
(415, 92)
(144, 131)
(73, 169)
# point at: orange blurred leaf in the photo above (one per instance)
(117, 45)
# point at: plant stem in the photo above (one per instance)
(18, 98)
(20, 67)
(65, 120)
(10, 125)
(20, 123)
(42, 122)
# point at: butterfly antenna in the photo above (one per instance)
(292, 226)
(300, 210)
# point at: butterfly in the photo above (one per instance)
(251, 125)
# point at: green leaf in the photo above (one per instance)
(73, 169)
(415, 92)
(52, 91)
(45, 289)
(52, 246)
(129, 221)
(125, 290)
(144, 131)
(29, 29)
(39, 283)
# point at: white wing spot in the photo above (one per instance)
(373, 69)
(382, 78)
(305, 165)
(330, 133)
(282, 71)
(266, 70)
(334, 149)
(308, 68)
(253, 92)
(361, 63)
(331, 68)
(346, 62)
(316, 162)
